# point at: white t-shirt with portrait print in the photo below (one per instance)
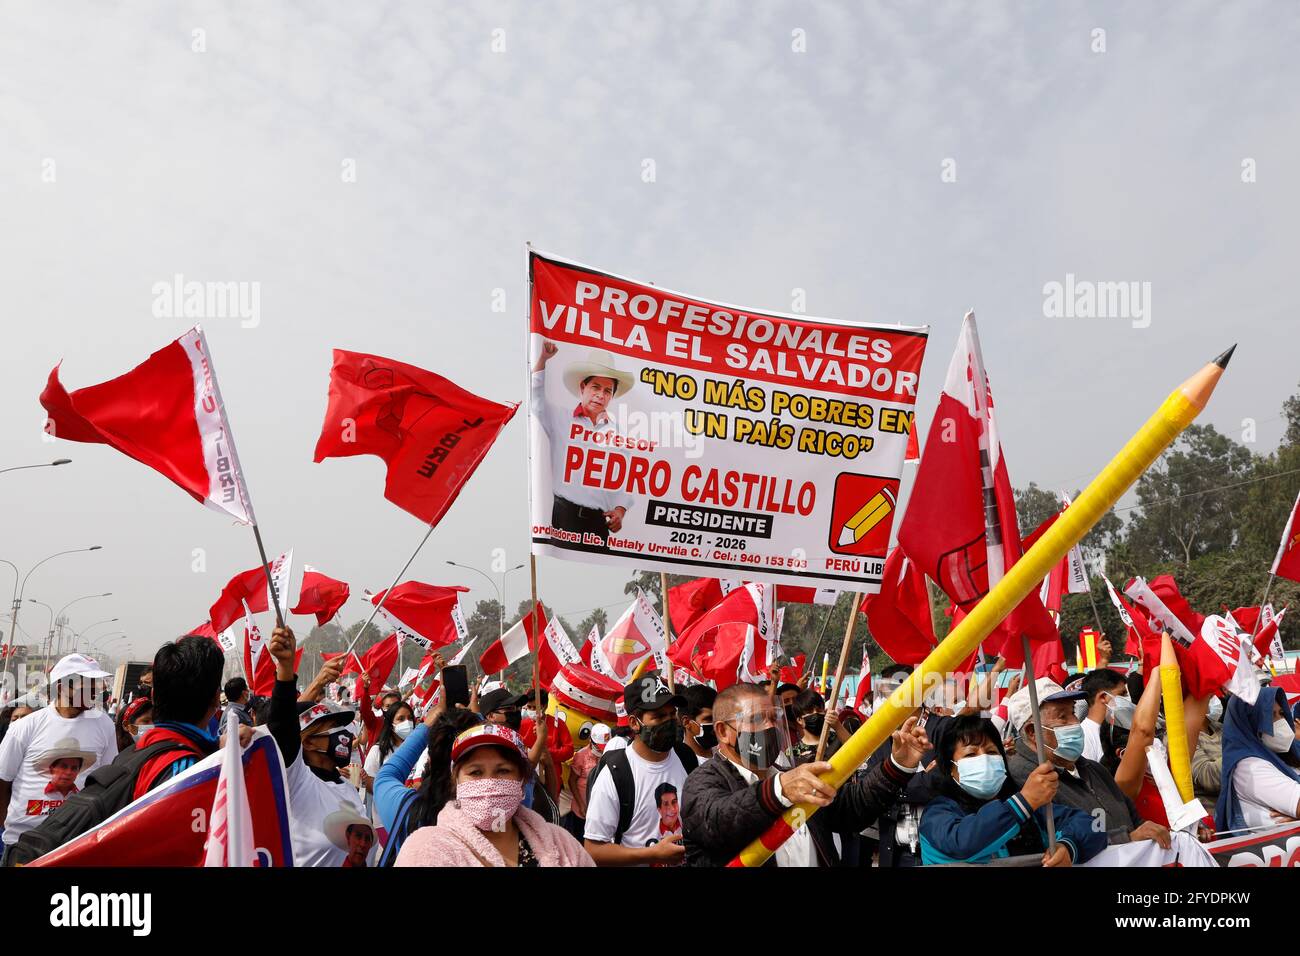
(647, 826)
(23, 745)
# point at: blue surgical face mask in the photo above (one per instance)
(981, 776)
(1069, 742)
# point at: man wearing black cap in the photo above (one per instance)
(625, 826)
(500, 706)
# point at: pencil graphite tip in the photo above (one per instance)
(1222, 360)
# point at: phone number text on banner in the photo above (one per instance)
(677, 434)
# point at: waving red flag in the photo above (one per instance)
(963, 472)
(713, 645)
(899, 616)
(165, 413)
(247, 587)
(1287, 562)
(431, 432)
(690, 601)
(321, 595)
(426, 612)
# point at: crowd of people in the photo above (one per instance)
(685, 776)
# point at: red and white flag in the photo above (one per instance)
(254, 645)
(515, 644)
(960, 525)
(714, 645)
(797, 595)
(1145, 596)
(424, 614)
(556, 651)
(763, 641)
(1287, 562)
(230, 824)
(166, 413)
(1133, 643)
(864, 683)
(321, 595)
(636, 635)
(248, 591)
(1269, 639)
(1223, 656)
(430, 432)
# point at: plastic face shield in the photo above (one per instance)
(762, 732)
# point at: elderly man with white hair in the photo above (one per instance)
(1084, 784)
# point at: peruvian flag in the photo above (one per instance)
(1223, 660)
(714, 645)
(899, 617)
(960, 524)
(377, 660)
(792, 673)
(1165, 604)
(515, 644)
(321, 595)
(864, 683)
(429, 431)
(1287, 562)
(166, 413)
(230, 825)
(249, 592)
(638, 634)
(425, 614)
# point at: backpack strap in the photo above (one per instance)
(620, 769)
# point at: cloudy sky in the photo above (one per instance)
(376, 169)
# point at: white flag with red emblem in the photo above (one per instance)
(634, 637)
(1223, 655)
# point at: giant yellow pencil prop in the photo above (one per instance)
(1171, 692)
(1177, 412)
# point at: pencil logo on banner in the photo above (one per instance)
(862, 514)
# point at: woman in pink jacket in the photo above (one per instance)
(486, 825)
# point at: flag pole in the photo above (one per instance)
(270, 584)
(821, 636)
(668, 628)
(1037, 716)
(387, 591)
(1254, 631)
(839, 672)
(537, 641)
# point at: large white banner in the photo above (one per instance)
(677, 434)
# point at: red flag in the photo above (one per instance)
(1166, 589)
(718, 650)
(913, 452)
(713, 645)
(378, 662)
(944, 529)
(351, 666)
(425, 610)
(321, 595)
(247, 587)
(1287, 562)
(431, 432)
(263, 682)
(204, 630)
(899, 616)
(165, 413)
(1266, 641)
(1049, 660)
(793, 594)
(690, 601)
(515, 644)
(792, 673)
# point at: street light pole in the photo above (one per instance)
(46, 645)
(18, 594)
(500, 589)
(61, 621)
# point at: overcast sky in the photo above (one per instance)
(899, 162)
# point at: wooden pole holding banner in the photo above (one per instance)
(388, 591)
(270, 583)
(839, 673)
(1159, 431)
(668, 629)
(538, 637)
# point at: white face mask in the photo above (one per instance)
(1216, 710)
(402, 727)
(1282, 737)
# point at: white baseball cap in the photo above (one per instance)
(76, 665)
(600, 736)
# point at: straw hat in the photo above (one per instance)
(68, 747)
(599, 363)
(336, 825)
